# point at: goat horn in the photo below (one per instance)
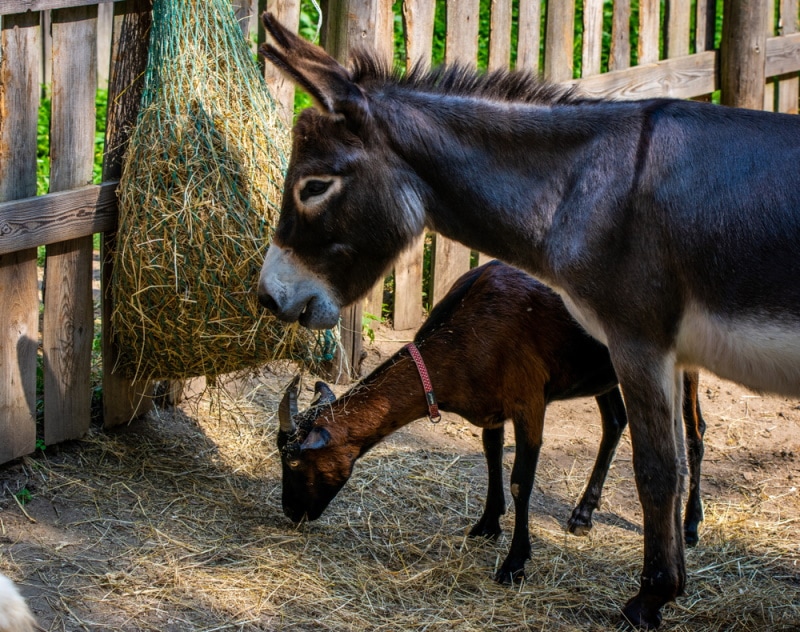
(323, 394)
(287, 410)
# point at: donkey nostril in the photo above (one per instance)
(267, 301)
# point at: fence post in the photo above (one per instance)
(743, 53)
(353, 24)
(122, 399)
(20, 70)
(281, 88)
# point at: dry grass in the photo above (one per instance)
(199, 196)
(176, 525)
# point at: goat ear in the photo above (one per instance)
(319, 74)
(316, 439)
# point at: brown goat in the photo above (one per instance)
(499, 345)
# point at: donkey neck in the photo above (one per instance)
(517, 163)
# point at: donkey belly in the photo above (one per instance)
(757, 351)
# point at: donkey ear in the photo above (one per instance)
(319, 74)
(316, 439)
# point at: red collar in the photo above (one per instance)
(433, 408)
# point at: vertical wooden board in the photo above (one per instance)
(649, 30)
(281, 88)
(789, 89)
(559, 40)
(451, 259)
(123, 400)
(771, 86)
(418, 18)
(500, 34)
(705, 25)
(20, 79)
(529, 34)
(105, 21)
(620, 53)
(743, 53)
(677, 28)
(592, 47)
(68, 325)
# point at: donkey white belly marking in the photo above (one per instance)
(584, 316)
(759, 352)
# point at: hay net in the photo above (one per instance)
(199, 195)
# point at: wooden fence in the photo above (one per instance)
(756, 65)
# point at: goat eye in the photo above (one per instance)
(312, 188)
(294, 463)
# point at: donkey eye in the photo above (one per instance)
(313, 188)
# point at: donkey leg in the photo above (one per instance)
(489, 524)
(695, 431)
(648, 381)
(612, 413)
(528, 433)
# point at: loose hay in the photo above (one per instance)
(199, 195)
(177, 525)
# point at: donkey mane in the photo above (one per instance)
(512, 86)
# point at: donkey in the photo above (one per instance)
(671, 229)
(487, 360)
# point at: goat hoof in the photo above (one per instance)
(690, 537)
(510, 576)
(639, 616)
(579, 526)
(482, 530)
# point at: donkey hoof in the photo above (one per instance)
(639, 617)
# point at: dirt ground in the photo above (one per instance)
(174, 523)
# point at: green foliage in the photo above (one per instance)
(40, 445)
(367, 321)
(23, 496)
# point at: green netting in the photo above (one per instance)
(199, 195)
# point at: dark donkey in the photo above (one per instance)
(670, 228)
(500, 345)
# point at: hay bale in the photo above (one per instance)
(201, 184)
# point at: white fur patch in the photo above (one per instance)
(758, 352)
(14, 613)
(585, 316)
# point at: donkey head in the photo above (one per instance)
(316, 464)
(350, 205)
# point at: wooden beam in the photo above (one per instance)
(743, 53)
(123, 400)
(281, 88)
(21, 6)
(47, 219)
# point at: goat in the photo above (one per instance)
(499, 345)
(14, 613)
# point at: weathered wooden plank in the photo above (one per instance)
(21, 6)
(681, 78)
(20, 70)
(47, 219)
(677, 32)
(500, 34)
(418, 19)
(620, 53)
(705, 25)
(123, 400)
(649, 29)
(281, 88)
(592, 45)
(743, 53)
(783, 55)
(105, 22)
(528, 34)
(770, 88)
(68, 324)
(788, 89)
(451, 259)
(559, 40)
